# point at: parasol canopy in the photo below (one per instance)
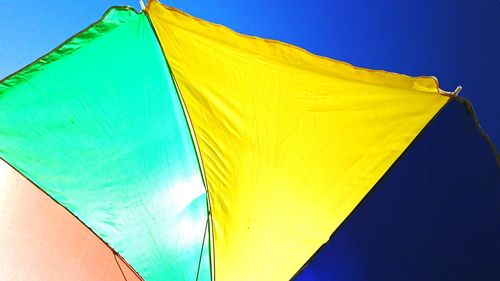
(158, 146)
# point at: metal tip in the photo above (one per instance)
(457, 90)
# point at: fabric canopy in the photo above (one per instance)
(158, 146)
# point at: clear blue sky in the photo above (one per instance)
(455, 40)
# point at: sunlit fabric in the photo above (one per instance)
(97, 124)
(157, 146)
(434, 216)
(40, 240)
(290, 142)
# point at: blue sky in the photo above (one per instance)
(456, 41)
